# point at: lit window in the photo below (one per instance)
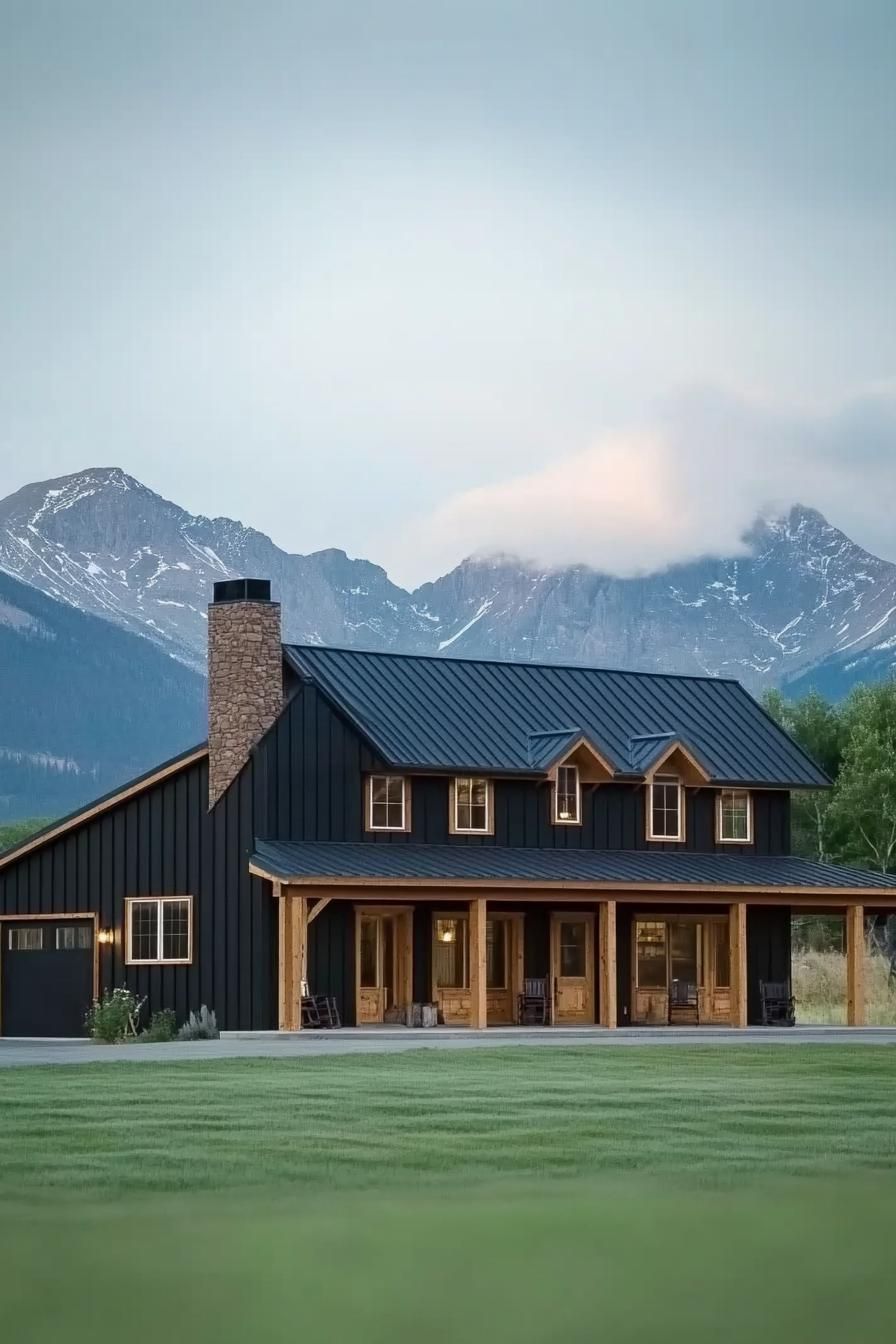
(387, 803)
(74, 938)
(472, 805)
(664, 809)
(26, 940)
(159, 929)
(450, 968)
(735, 820)
(567, 796)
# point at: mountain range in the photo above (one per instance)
(122, 577)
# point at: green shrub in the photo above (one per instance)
(162, 1026)
(201, 1026)
(114, 1016)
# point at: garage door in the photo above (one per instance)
(46, 976)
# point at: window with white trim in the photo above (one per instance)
(665, 808)
(159, 929)
(734, 817)
(471, 806)
(567, 796)
(387, 808)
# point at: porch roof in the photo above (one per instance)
(310, 862)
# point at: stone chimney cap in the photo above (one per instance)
(242, 590)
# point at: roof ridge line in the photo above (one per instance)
(515, 662)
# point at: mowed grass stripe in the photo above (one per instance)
(394, 1120)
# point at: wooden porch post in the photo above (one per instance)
(607, 964)
(855, 965)
(292, 924)
(737, 945)
(478, 996)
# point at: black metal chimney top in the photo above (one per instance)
(242, 590)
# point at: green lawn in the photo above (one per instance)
(441, 1196)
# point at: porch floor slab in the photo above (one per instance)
(362, 1040)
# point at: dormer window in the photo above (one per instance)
(567, 796)
(471, 806)
(665, 808)
(734, 817)
(388, 803)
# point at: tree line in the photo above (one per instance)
(854, 742)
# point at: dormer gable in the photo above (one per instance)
(664, 753)
(554, 748)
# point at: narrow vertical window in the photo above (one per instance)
(665, 813)
(471, 809)
(450, 953)
(567, 796)
(387, 803)
(734, 817)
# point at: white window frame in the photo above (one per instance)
(405, 802)
(723, 839)
(159, 902)
(455, 827)
(665, 780)
(556, 817)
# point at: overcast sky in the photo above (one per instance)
(585, 281)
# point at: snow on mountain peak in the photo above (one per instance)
(102, 541)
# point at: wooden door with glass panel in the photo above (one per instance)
(572, 967)
(451, 967)
(383, 957)
(686, 949)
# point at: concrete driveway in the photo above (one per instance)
(309, 1044)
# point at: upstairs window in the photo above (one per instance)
(159, 929)
(665, 808)
(387, 803)
(471, 806)
(734, 817)
(567, 796)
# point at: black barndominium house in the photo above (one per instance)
(393, 829)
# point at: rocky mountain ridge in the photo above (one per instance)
(803, 597)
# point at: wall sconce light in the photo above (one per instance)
(106, 936)
(446, 933)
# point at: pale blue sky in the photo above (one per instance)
(331, 267)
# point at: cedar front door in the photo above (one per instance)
(383, 960)
(572, 967)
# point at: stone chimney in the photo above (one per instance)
(245, 675)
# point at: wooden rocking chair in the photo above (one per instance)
(319, 1010)
(534, 1004)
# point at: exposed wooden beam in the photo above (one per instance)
(607, 964)
(321, 905)
(737, 945)
(855, 965)
(478, 996)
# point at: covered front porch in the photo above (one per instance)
(617, 939)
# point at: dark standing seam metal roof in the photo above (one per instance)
(460, 714)
(334, 861)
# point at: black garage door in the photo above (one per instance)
(46, 976)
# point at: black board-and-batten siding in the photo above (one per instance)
(164, 842)
(304, 781)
